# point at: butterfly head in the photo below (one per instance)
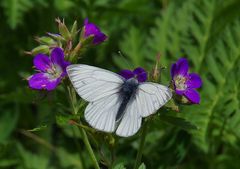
(139, 74)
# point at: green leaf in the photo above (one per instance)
(177, 121)
(63, 5)
(133, 49)
(63, 120)
(8, 121)
(119, 166)
(142, 166)
(30, 160)
(15, 9)
(8, 162)
(70, 160)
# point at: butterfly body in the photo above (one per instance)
(116, 104)
(128, 90)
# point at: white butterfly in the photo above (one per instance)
(116, 104)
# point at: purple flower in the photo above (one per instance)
(91, 29)
(139, 73)
(185, 83)
(51, 70)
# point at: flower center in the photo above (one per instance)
(55, 71)
(180, 82)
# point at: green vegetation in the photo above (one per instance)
(35, 132)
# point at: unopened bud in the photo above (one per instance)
(74, 30)
(63, 30)
(55, 36)
(45, 40)
(40, 49)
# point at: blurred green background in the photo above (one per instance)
(207, 32)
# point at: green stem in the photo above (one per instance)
(141, 146)
(73, 100)
(89, 148)
(82, 163)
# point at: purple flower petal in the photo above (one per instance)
(192, 96)
(100, 37)
(86, 21)
(182, 67)
(92, 29)
(179, 92)
(141, 74)
(57, 56)
(42, 62)
(66, 64)
(41, 81)
(142, 77)
(194, 81)
(173, 70)
(138, 70)
(127, 74)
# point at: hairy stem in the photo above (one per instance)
(141, 146)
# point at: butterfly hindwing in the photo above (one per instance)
(102, 113)
(131, 121)
(148, 99)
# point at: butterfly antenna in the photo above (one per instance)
(125, 60)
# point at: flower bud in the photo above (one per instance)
(40, 49)
(56, 36)
(63, 30)
(74, 30)
(45, 40)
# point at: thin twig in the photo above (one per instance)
(38, 139)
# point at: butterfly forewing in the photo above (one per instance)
(93, 83)
(151, 97)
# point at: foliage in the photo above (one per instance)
(34, 132)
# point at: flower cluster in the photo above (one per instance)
(52, 70)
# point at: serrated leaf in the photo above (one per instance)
(15, 9)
